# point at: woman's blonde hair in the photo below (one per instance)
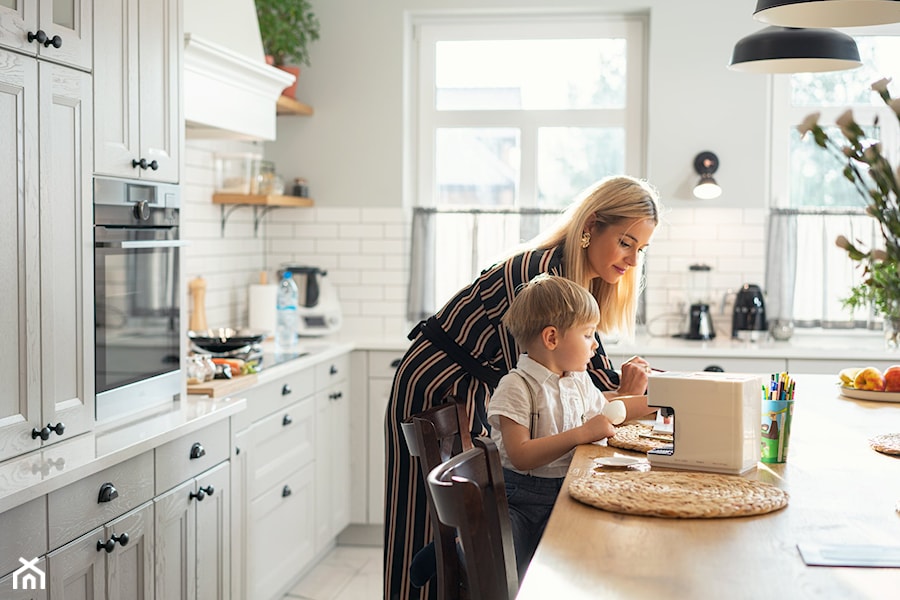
(549, 300)
(610, 201)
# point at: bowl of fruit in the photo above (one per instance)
(871, 383)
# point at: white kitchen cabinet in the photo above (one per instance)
(53, 30)
(137, 73)
(826, 366)
(332, 451)
(192, 524)
(45, 234)
(381, 368)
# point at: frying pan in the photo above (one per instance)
(225, 339)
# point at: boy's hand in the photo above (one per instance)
(598, 428)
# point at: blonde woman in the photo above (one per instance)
(464, 349)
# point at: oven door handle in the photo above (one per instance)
(138, 244)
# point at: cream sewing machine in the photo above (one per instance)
(716, 420)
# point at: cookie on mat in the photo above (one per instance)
(886, 443)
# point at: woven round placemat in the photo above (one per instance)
(886, 443)
(628, 437)
(680, 495)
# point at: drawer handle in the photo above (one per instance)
(108, 493)
(197, 450)
(333, 370)
(44, 433)
(336, 396)
(285, 390)
(110, 544)
(286, 491)
(396, 363)
(202, 493)
(287, 420)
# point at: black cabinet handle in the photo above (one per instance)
(396, 363)
(40, 35)
(285, 390)
(108, 493)
(332, 370)
(286, 491)
(110, 544)
(714, 369)
(154, 165)
(142, 163)
(45, 432)
(197, 450)
(336, 396)
(287, 420)
(55, 41)
(202, 493)
(210, 490)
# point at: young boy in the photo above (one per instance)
(548, 404)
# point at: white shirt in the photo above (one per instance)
(560, 403)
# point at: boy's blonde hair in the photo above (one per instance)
(549, 300)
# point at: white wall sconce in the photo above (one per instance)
(827, 13)
(706, 163)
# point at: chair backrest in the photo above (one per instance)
(469, 494)
(433, 436)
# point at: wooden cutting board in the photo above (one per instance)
(219, 388)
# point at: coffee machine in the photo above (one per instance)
(700, 326)
(748, 320)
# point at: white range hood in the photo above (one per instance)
(229, 90)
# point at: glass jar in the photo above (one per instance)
(200, 368)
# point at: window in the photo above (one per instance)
(513, 117)
(807, 276)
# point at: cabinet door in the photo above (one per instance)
(160, 49)
(17, 18)
(129, 567)
(78, 569)
(33, 592)
(20, 405)
(116, 78)
(70, 21)
(214, 534)
(332, 463)
(379, 394)
(67, 304)
(240, 500)
(176, 543)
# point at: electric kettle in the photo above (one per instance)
(749, 311)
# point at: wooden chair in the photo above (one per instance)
(469, 494)
(433, 436)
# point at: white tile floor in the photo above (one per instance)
(347, 573)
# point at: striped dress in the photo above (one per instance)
(427, 375)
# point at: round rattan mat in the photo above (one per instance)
(680, 495)
(886, 443)
(628, 437)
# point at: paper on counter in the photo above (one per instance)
(850, 555)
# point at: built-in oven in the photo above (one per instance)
(137, 291)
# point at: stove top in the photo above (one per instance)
(248, 353)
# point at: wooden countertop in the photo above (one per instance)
(841, 491)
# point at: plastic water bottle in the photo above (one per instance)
(286, 329)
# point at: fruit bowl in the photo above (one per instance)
(870, 383)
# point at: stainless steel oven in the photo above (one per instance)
(137, 291)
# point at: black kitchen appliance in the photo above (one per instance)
(700, 325)
(749, 316)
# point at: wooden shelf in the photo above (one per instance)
(289, 106)
(261, 200)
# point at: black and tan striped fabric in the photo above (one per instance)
(426, 376)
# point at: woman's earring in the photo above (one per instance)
(585, 239)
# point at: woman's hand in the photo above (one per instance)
(633, 379)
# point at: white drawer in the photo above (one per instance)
(267, 398)
(280, 444)
(332, 371)
(383, 364)
(191, 454)
(24, 534)
(79, 507)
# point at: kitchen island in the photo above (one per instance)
(841, 492)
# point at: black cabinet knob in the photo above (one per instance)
(121, 538)
(396, 363)
(199, 495)
(285, 390)
(287, 420)
(197, 450)
(59, 428)
(332, 370)
(286, 491)
(108, 493)
(43, 433)
(336, 396)
(55, 41)
(110, 544)
(154, 165)
(40, 35)
(142, 163)
(210, 490)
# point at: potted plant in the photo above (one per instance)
(287, 27)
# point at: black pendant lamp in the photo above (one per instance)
(791, 50)
(827, 13)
